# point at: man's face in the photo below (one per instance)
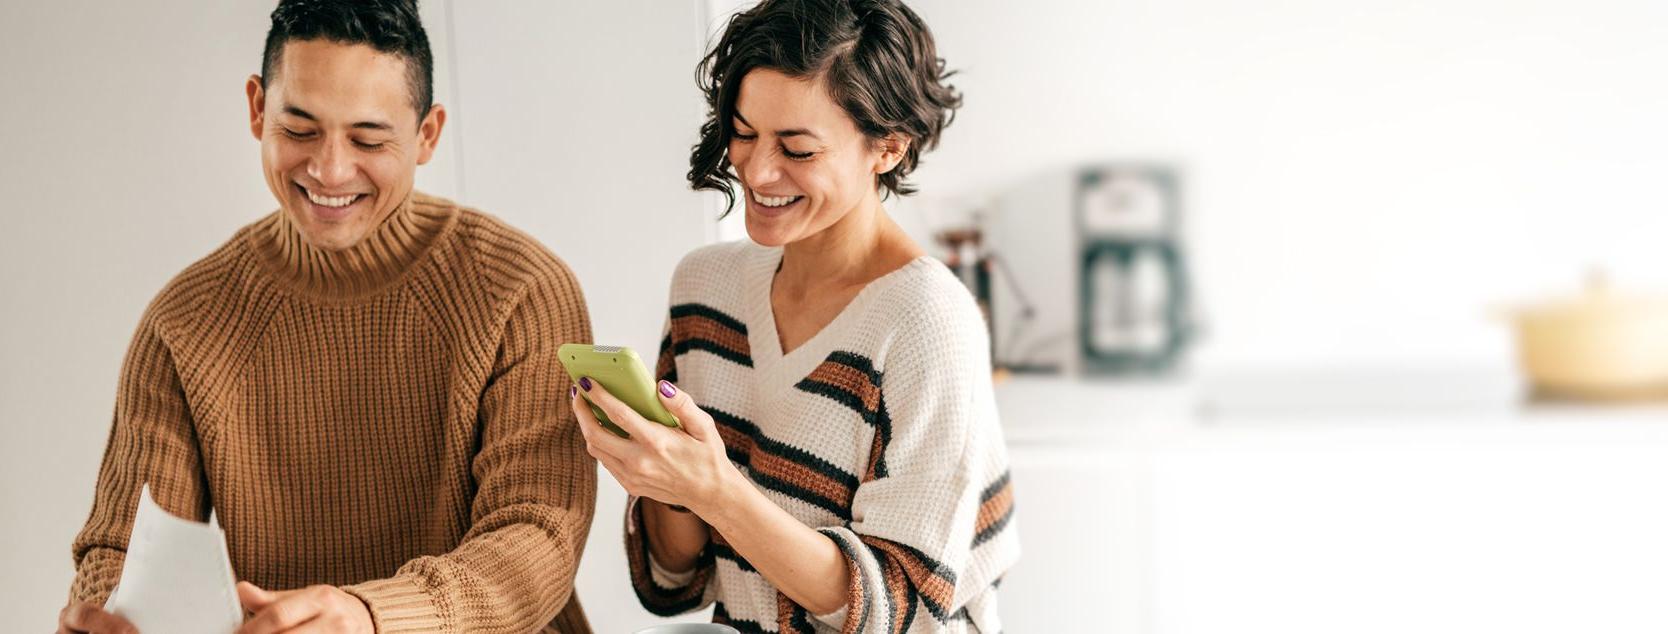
(340, 139)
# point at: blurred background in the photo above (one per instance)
(1308, 316)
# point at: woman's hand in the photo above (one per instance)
(686, 466)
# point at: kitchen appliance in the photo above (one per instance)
(1134, 311)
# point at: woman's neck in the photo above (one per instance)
(860, 247)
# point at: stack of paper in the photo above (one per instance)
(178, 577)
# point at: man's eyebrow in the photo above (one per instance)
(361, 125)
(292, 110)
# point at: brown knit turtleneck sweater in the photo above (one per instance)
(391, 419)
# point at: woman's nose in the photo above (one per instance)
(760, 169)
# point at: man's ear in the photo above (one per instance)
(428, 133)
(892, 151)
(257, 105)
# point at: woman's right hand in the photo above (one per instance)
(90, 618)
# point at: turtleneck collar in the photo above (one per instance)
(396, 246)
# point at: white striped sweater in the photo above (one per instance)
(880, 432)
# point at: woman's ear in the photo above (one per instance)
(892, 151)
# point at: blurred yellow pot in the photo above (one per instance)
(1600, 345)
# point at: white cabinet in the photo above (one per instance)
(1138, 515)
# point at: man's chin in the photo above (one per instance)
(329, 235)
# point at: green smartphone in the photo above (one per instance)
(618, 370)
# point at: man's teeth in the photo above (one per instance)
(774, 201)
(332, 201)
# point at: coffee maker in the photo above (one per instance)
(1134, 309)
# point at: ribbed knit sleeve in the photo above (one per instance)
(152, 440)
(924, 545)
(536, 488)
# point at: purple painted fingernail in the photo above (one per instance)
(572, 391)
(667, 389)
(585, 383)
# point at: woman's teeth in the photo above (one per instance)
(775, 201)
(333, 201)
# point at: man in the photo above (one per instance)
(363, 385)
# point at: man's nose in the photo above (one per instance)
(333, 164)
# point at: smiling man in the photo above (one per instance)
(363, 385)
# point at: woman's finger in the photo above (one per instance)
(597, 436)
(691, 418)
(618, 412)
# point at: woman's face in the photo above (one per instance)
(802, 162)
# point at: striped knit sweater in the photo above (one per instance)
(880, 432)
(390, 418)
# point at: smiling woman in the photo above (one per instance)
(840, 458)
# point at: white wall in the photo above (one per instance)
(1367, 177)
(577, 129)
(127, 156)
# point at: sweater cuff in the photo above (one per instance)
(397, 605)
(96, 576)
(852, 616)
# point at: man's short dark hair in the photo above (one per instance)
(389, 26)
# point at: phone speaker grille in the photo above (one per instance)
(606, 349)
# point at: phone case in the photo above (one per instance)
(618, 370)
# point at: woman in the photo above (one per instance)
(839, 464)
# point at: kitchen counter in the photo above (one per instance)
(1351, 500)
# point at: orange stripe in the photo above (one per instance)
(938, 589)
(783, 469)
(702, 327)
(849, 379)
(995, 508)
(666, 363)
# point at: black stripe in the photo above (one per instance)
(696, 343)
(726, 553)
(995, 487)
(1001, 522)
(839, 395)
(664, 601)
(800, 620)
(933, 567)
(868, 598)
(703, 310)
(909, 617)
(856, 362)
(792, 454)
(883, 427)
(742, 625)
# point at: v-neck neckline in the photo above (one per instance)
(766, 343)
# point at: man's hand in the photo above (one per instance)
(310, 609)
(89, 618)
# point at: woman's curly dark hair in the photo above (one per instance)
(876, 56)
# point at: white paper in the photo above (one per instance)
(177, 577)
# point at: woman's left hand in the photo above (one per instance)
(685, 466)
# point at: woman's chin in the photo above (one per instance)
(769, 232)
